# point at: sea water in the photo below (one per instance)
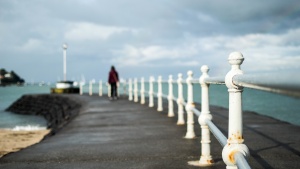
(14, 121)
(278, 106)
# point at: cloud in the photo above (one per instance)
(162, 36)
(131, 55)
(31, 45)
(261, 52)
(90, 31)
(205, 18)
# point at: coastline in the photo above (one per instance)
(13, 141)
(58, 110)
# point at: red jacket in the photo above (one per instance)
(113, 77)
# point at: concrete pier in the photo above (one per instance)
(123, 134)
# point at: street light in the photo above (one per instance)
(65, 46)
(65, 86)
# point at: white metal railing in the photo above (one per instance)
(101, 89)
(234, 152)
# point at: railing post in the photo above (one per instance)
(91, 88)
(118, 89)
(151, 102)
(235, 125)
(142, 91)
(206, 158)
(108, 89)
(170, 98)
(180, 101)
(130, 90)
(159, 94)
(136, 97)
(124, 88)
(189, 107)
(80, 88)
(100, 88)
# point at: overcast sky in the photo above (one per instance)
(143, 38)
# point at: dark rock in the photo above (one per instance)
(58, 110)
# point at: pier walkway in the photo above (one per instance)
(123, 134)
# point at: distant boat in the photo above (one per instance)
(41, 83)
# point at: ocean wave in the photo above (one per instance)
(28, 128)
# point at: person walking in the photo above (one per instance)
(113, 80)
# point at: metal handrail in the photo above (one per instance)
(241, 161)
(272, 82)
(196, 111)
(284, 82)
(239, 157)
(216, 132)
(215, 80)
(195, 81)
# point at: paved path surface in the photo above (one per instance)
(122, 134)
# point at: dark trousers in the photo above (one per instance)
(114, 91)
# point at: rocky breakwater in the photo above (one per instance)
(58, 110)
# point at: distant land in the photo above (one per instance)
(10, 78)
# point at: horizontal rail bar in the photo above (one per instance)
(195, 81)
(196, 111)
(215, 80)
(241, 162)
(216, 132)
(163, 81)
(164, 96)
(174, 98)
(284, 83)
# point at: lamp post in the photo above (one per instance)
(65, 46)
(66, 86)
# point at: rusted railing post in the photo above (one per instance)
(136, 97)
(235, 125)
(170, 98)
(151, 102)
(159, 94)
(130, 90)
(180, 101)
(206, 158)
(189, 107)
(100, 88)
(91, 88)
(142, 91)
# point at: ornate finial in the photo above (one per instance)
(179, 75)
(170, 79)
(159, 78)
(190, 73)
(151, 78)
(190, 76)
(235, 58)
(204, 69)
